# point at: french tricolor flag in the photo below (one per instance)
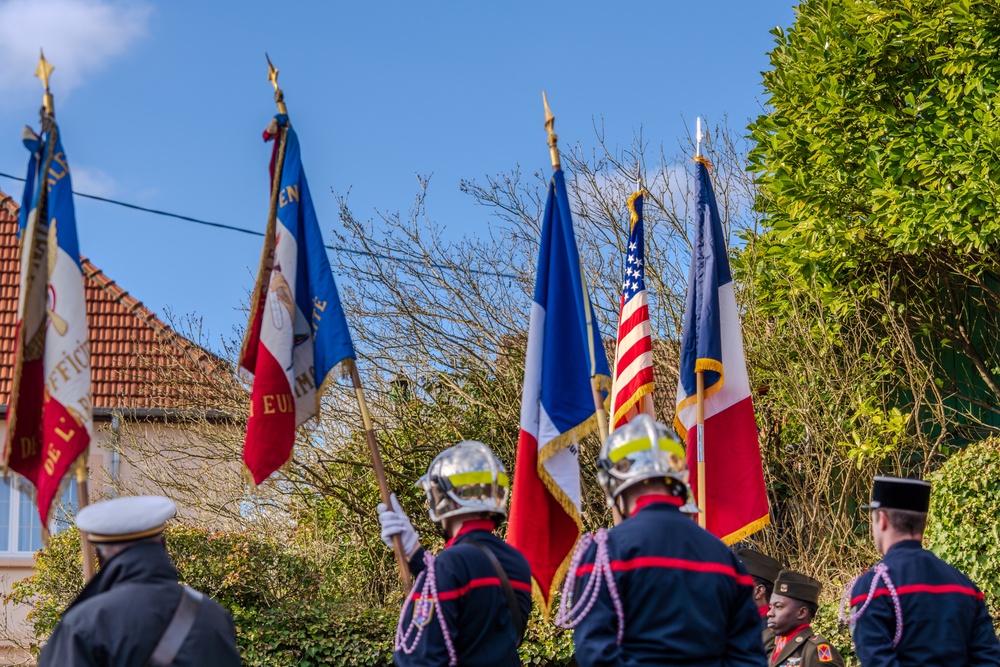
(736, 500)
(298, 332)
(49, 416)
(557, 405)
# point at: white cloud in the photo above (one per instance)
(79, 38)
(93, 182)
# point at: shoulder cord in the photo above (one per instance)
(881, 572)
(429, 589)
(570, 612)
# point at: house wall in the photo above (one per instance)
(159, 456)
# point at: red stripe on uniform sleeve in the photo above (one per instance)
(940, 589)
(673, 564)
(483, 582)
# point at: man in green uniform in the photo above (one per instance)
(793, 606)
(764, 571)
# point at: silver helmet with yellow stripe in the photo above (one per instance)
(641, 449)
(466, 479)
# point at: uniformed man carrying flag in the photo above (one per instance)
(657, 589)
(470, 604)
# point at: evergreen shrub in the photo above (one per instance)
(963, 528)
(288, 611)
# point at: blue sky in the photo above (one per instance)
(163, 105)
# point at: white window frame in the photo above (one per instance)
(13, 482)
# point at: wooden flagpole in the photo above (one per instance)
(702, 495)
(647, 400)
(82, 500)
(703, 514)
(48, 113)
(602, 416)
(383, 485)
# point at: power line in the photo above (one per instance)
(252, 232)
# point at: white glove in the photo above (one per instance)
(395, 522)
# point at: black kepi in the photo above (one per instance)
(900, 493)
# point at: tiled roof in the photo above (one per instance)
(131, 348)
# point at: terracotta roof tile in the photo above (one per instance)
(131, 348)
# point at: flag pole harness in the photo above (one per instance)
(572, 613)
(426, 583)
(881, 572)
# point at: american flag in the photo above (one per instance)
(633, 378)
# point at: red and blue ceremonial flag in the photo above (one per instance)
(632, 392)
(557, 405)
(298, 332)
(736, 500)
(49, 414)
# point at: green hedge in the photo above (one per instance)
(294, 608)
(965, 504)
(289, 611)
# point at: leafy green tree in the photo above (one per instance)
(878, 170)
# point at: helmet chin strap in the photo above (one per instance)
(621, 507)
(612, 502)
(441, 530)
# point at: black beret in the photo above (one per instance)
(759, 565)
(900, 493)
(797, 586)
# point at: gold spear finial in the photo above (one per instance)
(43, 72)
(550, 127)
(272, 76)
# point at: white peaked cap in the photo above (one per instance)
(126, 519)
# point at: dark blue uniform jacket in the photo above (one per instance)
(119, 617)
(687, 598)
(945, 621)
(473, 604)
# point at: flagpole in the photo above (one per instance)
(702, 494)
(82, 500)
(647, 400)
(48, 112)
(383, 485)
(602, 415)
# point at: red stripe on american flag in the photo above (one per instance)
(635, 319)
(639, 348)
(643, 377)
(632, 372)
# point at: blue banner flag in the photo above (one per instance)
(298, 332)
(557, 405)
(49, 416)
(735, 496)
